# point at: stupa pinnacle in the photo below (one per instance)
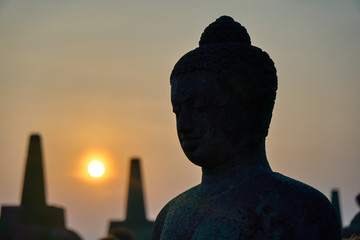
(33, 195)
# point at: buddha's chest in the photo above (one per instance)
(222, 220)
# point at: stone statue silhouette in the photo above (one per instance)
(223, 94)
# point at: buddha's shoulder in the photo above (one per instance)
(288, 187)
(183, 199)
(175, 207)
(288, 193)
(303, 204)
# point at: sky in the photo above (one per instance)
(92, 77)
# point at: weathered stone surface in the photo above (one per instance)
(223, 94)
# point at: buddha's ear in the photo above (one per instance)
(260, 110)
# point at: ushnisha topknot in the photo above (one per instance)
(225, 29)
(225, 49)
(224, 46)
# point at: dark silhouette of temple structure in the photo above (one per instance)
(34, 219)
(336, 203)
(135, 212)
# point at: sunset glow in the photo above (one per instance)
(96, 169)
(95, 166)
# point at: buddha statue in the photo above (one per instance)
(223, 94)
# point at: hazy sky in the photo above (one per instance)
(93, 76)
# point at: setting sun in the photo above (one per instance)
(96, 169)
(95, 165)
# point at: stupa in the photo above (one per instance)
(136, 220)
(34, 219)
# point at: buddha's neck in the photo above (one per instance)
(239, 169)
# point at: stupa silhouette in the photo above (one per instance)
(336, 203)
(136, 219)
(34, 219)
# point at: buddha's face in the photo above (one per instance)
(208, 118)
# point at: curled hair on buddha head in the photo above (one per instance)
(225, 49)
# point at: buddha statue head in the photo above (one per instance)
(223, 94)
